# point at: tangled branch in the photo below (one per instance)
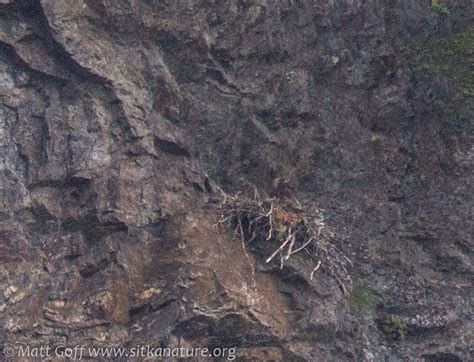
(290, 226)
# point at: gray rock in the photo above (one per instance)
(117, 118)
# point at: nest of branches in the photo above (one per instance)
(288, 228)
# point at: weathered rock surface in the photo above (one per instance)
(114, 113)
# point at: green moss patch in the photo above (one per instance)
(394, 328)
(451, 56)
(439, 7)
(362, 300)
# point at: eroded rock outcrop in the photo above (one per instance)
(114, 116)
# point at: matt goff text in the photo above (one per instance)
(145, 351)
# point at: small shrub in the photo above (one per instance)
(376, 139)
(395, 328)
(439, 7)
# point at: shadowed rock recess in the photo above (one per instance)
(120, 119)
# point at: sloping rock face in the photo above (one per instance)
(115, 116)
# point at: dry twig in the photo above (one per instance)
(293, 229)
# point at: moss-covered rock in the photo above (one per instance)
(394, 328)
(451, 56)
(362, 300)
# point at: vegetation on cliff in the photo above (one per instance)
(453, 57)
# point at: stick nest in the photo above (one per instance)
(289, 228)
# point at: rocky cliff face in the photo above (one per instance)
(115, 116)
